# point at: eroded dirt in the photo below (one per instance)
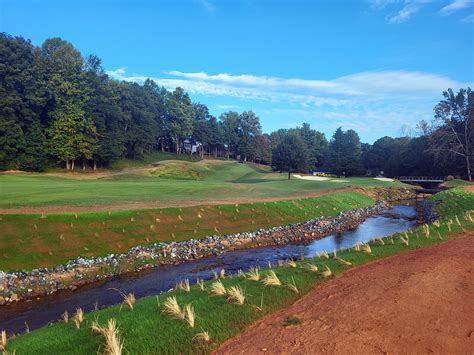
(417, 302)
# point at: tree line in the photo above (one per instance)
(58, 108)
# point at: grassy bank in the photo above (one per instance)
(30, 241)
(147, 329)
(168, 184)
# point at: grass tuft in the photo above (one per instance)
(78, 317)
(236, 294)
(173, 309)
(202, 337)
(65, 316)
(113, 343)
(190, 315)
(292, 285)
(218, 289)
(271, 279)
(253, 274)
(327, 272)
(3, 340)
(183, 286)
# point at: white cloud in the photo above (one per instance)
(410, 8)
(363, 86)
(373, 102)
(206, 4)
(456, 5)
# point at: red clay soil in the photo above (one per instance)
(417, 302)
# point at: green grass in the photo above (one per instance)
(152, 158)
(147, 330)
(457, 182)
(170, 182)
(30, 241)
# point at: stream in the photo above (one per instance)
(15, 318)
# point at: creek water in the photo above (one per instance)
(15, 318)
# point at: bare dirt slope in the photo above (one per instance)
(418, 302)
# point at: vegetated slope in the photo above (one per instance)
(29, 241)
(149, 329)
(170, 183)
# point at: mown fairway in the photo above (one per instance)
(172, 183)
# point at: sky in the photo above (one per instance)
(376, 66)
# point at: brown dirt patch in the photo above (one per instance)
(417, 302)
(469, 188)
(167, 204)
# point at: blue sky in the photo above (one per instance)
(374, 66)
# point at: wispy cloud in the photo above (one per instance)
(369, 85)
(468, 19)
(410, 8)
(372, 102)
(207, 5)
(456, 5)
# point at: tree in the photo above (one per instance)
(249, 129)
(180, 114)
(230, 123)
(453, 127)
(290, 154)
(345, 152)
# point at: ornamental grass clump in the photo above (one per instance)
(271, 279)
(203, 337)
(327, 272)
(183, 286)
(365, 248)
(113, 343)
(200, 283)
(190, 315)
(236, 294)
(78, 317)
(292, 285)
(312, 268)
(290, 263)
(218, 289)
(65, 316)
(404, 241)
(253, 274)
(173, 309)
(3, 340)
(342, 261)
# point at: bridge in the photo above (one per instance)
(426, 182)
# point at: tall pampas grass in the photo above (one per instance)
(173, 309)
(113, 343)
(218, 289)
(271, 279)
(236, 294)
(78, 317)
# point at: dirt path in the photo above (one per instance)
(166, 204)
(418, 302)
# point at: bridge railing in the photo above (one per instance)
(420, 178)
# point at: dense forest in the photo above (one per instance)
(58, 108)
